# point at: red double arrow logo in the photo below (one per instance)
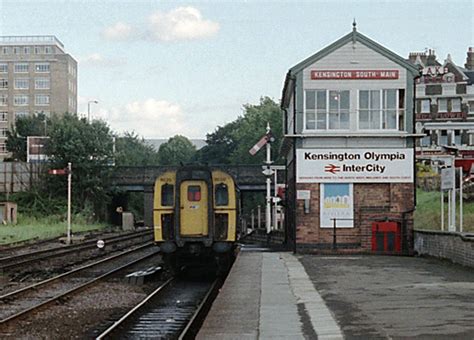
(332, 168)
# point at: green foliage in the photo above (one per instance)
(220, 145)
(37, 203)
(89, 147)
(428, 212)
(176, 150)
(130, 150)
(424, 170)
(35, 125)
(230, 144)
(30, 227)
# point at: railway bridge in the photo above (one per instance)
(249, 178)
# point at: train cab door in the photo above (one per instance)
(194, 209)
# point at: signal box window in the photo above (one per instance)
(167, 192)
(222, 194)
(194, 193)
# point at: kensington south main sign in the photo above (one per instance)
(358, 166)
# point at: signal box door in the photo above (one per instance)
(194, 209)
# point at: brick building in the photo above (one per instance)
(445, 102)
(36, 76)
(349, 145)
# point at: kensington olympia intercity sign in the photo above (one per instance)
(358, 166)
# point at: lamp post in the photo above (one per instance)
(89, 109)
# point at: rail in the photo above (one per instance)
(173, 311)
(9, 262)
(49, 298)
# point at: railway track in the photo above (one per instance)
(9, 263)
(172, 311)
(28, 300)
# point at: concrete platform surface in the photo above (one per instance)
(268, 296)
(283, 296)
(391, 297)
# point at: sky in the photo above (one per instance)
(162, 68)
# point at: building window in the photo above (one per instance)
(26, 50)
(3, 83)
(327, 110)
(471, 107)
(3, 68)
(3, 100)
(457, 134)
(21, 114)
(3, 132)
(21, 68)
(22, 83)
(20, 100)
(3, 116)
(378, 109)
(442, 105)
(456, 105)
(37, 50)
(41, 99)
(425, 106)
(48, 50)
(5, 50)
(42, 83)
(42, 67)
(16, 50)
(3, 148)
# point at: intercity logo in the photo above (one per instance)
(332, 168)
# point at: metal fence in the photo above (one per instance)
(18, 176)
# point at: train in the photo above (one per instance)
(195, 216)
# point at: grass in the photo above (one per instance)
(29, 228)
(428, 212)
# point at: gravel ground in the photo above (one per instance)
(16, 280)
(84, 315)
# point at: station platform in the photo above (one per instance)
(277, 295)
(268, 295)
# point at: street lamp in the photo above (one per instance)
(89, 109)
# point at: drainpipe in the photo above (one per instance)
(294, 166)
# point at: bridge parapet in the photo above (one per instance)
(246, 176)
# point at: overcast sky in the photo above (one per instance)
(161, 68)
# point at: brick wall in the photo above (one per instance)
(452, 246)
(372, 202)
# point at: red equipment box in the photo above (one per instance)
(386, 237)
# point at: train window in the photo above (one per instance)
(194, 193)
(167, 191)
(222, 194)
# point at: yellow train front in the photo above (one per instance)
(195, 215)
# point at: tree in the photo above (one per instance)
(230, 144)
(253, 127)
(130, 150)
(89, 147)
(176, 150)
(220, 145)
(35, 125)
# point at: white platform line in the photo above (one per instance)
(323, 321)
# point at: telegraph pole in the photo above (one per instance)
(69, 188)
(268, 173)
